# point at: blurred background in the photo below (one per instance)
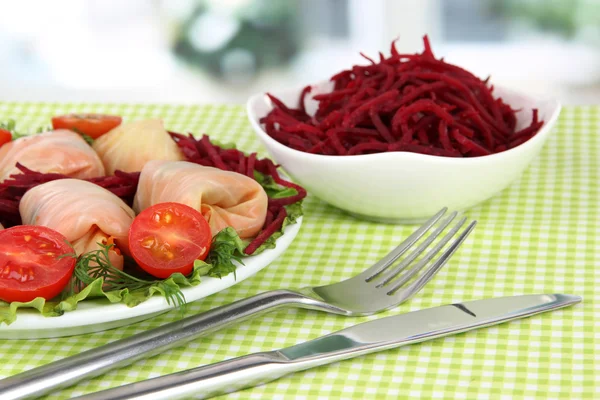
(222, 51)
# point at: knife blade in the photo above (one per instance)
(368, 337)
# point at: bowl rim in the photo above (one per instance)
(541, 136)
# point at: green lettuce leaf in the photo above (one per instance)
(226, 248)
(95, 291)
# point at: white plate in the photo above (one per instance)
(99, 315)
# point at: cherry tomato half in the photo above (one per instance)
(93, 125)
(168, 238)
(31, 264)
(5, 136)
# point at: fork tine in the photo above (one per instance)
(389, 275)
(393, 255)
(419, 266)
(437, 265)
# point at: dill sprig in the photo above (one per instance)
(96, 264)
(225, 248)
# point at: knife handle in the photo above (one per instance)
(211, 380)
(67, 372)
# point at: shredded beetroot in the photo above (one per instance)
(267, 232)
(407, 102)
(205, 153)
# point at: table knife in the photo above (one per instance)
(376, 335)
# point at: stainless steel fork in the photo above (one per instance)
(378, 288)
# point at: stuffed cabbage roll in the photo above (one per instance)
(224, 198)
(85, 213)
(130, 146)
(60, 151)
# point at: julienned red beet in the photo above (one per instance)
(407, 102)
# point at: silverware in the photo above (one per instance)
(382, 334)
(367, 293)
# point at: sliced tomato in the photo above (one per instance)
(33, 263)
(168, 238)
(93, 125)
(5, 136)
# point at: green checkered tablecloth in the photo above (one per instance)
(542, 235)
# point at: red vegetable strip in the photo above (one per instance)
(241, 164)
(353, 118)
(267, 232)
(337, 145)
(9, 206)
(359, 148)
(444, 139)
(318, 147)
(330, 120)
(304, 127)
(415, 148)
(299, 143)
(468, 143)
(279, 104)
(368, 58)
(484, 128)
(389, 79)
(355, 131)
(250, 165)
(407, 133)
(519, 141)
(303, 95)
(269, 218)
(335, 95)
(341, 75)
(428, 52)
(535, 125)
(381, 128)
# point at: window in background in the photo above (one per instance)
(225, 50)
(546, 47)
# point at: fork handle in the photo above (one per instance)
(71, 370)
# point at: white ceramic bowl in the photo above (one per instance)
(405, 187)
